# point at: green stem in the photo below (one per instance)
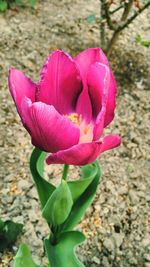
(65, 172)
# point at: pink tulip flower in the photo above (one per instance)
(67, 110)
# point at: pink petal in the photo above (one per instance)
(111, 101)
(83, 154)
(98, 80)
(20, 86)
(102, 91)
(110, 141)
(49, 130)
(84, 106)
(83, 62)
(88, 57)
(99, 124)
(60, 82)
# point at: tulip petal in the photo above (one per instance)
(84, 106)
(83, 154)
(111, 101)
(20, 86)
(88, 57)
(98, 80)
(60, 82)
(110, 141)
(99, 124)
(49, 130)
(84, 60)
(102, 91)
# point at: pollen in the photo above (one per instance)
(75, 118)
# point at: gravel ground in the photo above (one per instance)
(117, 225)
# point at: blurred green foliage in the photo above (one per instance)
(24, 258)
(8, 233)
(140, 40)
(91, 18)
(5, 4)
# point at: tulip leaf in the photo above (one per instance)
(32, 2)
(44, 188)
(62, 254)
(58, 205)
(9, 231)
(83, 202)
(23, 258)
(78, 187)
(1, 225)
(3, 5)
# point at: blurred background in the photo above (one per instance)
(117, 225)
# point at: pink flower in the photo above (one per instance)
(67, 110)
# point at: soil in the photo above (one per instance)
(117, 225)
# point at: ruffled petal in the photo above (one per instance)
(20, 86)
(83, 154)
(49, 130)
(88, 57)
(60, 83)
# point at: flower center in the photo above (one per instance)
(86, 130)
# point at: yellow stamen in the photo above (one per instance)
(86, 130)
(75, 118)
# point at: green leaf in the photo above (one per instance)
(18, 2)
(63, 253)
(78, 187)
(44, 188)
(91, 18)
(1, 225)
(23, 258)
(32, 2)
(140, 40)
(8, 233)
(3, 5)
(84, 201)
(59, 205)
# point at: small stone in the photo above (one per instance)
(147, 257)
(133, 261)
(33, 193)
(9, 199)
(123, 190)
(19, 219)
(109, 244)
(96, 260)
(33, 216)
(105, 262)
(145, 242)
(23, 184)
(133, 197)
(109, 186)
(9, 178)
(118, 239)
